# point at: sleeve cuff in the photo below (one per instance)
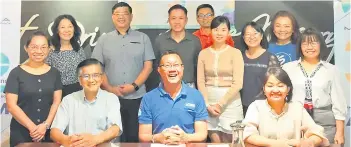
(249, 130)
(119, 126)
(143, 121)
(318, 131)
(205, 118)
(338, 117)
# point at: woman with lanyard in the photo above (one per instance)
(317, 85)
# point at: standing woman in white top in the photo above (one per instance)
(220, 78)
(317, 85)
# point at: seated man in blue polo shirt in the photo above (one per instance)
(172, 113)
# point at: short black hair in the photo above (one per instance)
(122, 4)
(258, 28)
(87, 62)
(75, 40)
(295, 26)
(178, 6)
(310, 35)
(283, 77)
(204, 6)
(168, 52)
(37, 33)
(220, 20)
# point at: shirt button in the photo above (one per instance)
(38, 110)
(39, 80)
(39, 100)
(38, 120)
(39, 89)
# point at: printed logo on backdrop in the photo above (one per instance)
(5, 21)
(5, 66)
(83, 38)
(329, 36)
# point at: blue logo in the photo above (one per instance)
(283, 57)
(5, 66)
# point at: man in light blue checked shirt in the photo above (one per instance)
(90, 116)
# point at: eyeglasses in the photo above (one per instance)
(306, 44)
(94, 76)
(169, 66)
(248, 35)
(204, 15)
(33, 48)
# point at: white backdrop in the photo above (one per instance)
(10, 22)
(342, 52)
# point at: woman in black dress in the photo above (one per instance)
(33, 94)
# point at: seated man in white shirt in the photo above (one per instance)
(88, 117)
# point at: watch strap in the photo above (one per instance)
(136, 87)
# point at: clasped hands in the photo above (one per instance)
(214, 110)
(173, 136)
(123, 90)
(38, 132)
(81, 140)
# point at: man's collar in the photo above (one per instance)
(127, 32)
(164, 93)
(202, 32)
(186, 37)
(96, 97)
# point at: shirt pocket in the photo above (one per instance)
(101, 123)
(136, 49)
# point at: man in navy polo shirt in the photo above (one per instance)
(172, 113)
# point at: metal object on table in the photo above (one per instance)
(237, 128)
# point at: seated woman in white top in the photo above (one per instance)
(278, 122)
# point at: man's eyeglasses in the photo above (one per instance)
(205, 15)
(169, 66)
(94, 76)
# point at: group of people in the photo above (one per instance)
(105, 95)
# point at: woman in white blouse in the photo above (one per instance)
(317, 85)
(278, 122)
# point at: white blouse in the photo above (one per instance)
(326, 87)
(262, 120)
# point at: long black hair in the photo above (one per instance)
(55, 39)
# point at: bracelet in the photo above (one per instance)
(46, 125)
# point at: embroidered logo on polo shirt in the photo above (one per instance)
(190, 105)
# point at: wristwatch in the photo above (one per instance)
(46, 125)
(136, 87)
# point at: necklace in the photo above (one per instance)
(283, 43)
